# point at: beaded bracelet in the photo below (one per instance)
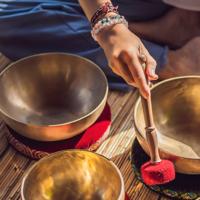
(102, 11)
(107, 22)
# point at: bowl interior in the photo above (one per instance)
(50, 89)
(73, 175)
(176, 109)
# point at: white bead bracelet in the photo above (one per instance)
(107, 22)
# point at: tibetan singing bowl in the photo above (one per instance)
(73, 175)
(53, 96)
(176, 109)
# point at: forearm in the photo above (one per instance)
(122, 48)
(90, 6)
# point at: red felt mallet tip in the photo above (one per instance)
(158, 173)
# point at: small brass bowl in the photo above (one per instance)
(52, 96)
(176, 109)
(73, 175)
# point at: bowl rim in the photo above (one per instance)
(122, 188)
(65, 123)
(138, 129)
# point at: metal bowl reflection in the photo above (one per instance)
(73, 175)
(176, 109)
(52, 96)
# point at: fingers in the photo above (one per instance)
(134, 66)
(128, 65)
(120, 68)
(150, 64)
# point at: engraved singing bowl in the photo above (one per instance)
(176, 110)
(73, 175)
(52, 96)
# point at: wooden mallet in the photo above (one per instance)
(156, 171)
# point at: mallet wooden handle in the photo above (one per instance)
(151, 135)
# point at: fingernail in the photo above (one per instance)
(145, 93)
(152, 71)
(153, 78)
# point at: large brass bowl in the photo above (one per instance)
(73, 175)
(52, 96)
(176, 109)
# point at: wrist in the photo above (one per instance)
(107, 34)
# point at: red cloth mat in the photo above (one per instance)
(89, 139)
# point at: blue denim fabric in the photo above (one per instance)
(35, 26)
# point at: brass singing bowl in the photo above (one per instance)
(73, 175)
(176, 110)
(52, 96)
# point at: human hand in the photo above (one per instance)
(126, 53)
